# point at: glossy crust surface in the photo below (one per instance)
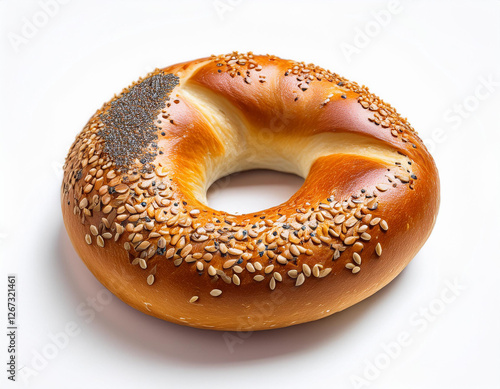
(136, 212)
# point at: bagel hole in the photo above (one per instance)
(252, 191)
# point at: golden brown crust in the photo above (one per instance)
(368, 203)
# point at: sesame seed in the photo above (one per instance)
(350, 240)
(121, 188)
(162, 242)
(193, 299)
(282, 260)
(356, 269)
(216, 292)
(234, 251)
(211, 249)
(306, 269)
(356, 258)
(339, 219)
(223, 248)
(366, 236)
(229, 263)
(351, 222)
(151, 279)
(143, 245)
(300, 279)
(358, 246)
(84, 203)
(403, 178)
(325, 272)
(384, 225)
(94, 231)
(88, 239)
(378, 249)
(382, 187)
(292, 273)
(294, 250)
(315, 270)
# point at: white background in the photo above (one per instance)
(429, 60)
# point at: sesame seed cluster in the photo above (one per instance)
(121, 192)
(239, 64)
(383, 113)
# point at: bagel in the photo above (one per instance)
(135, 182)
